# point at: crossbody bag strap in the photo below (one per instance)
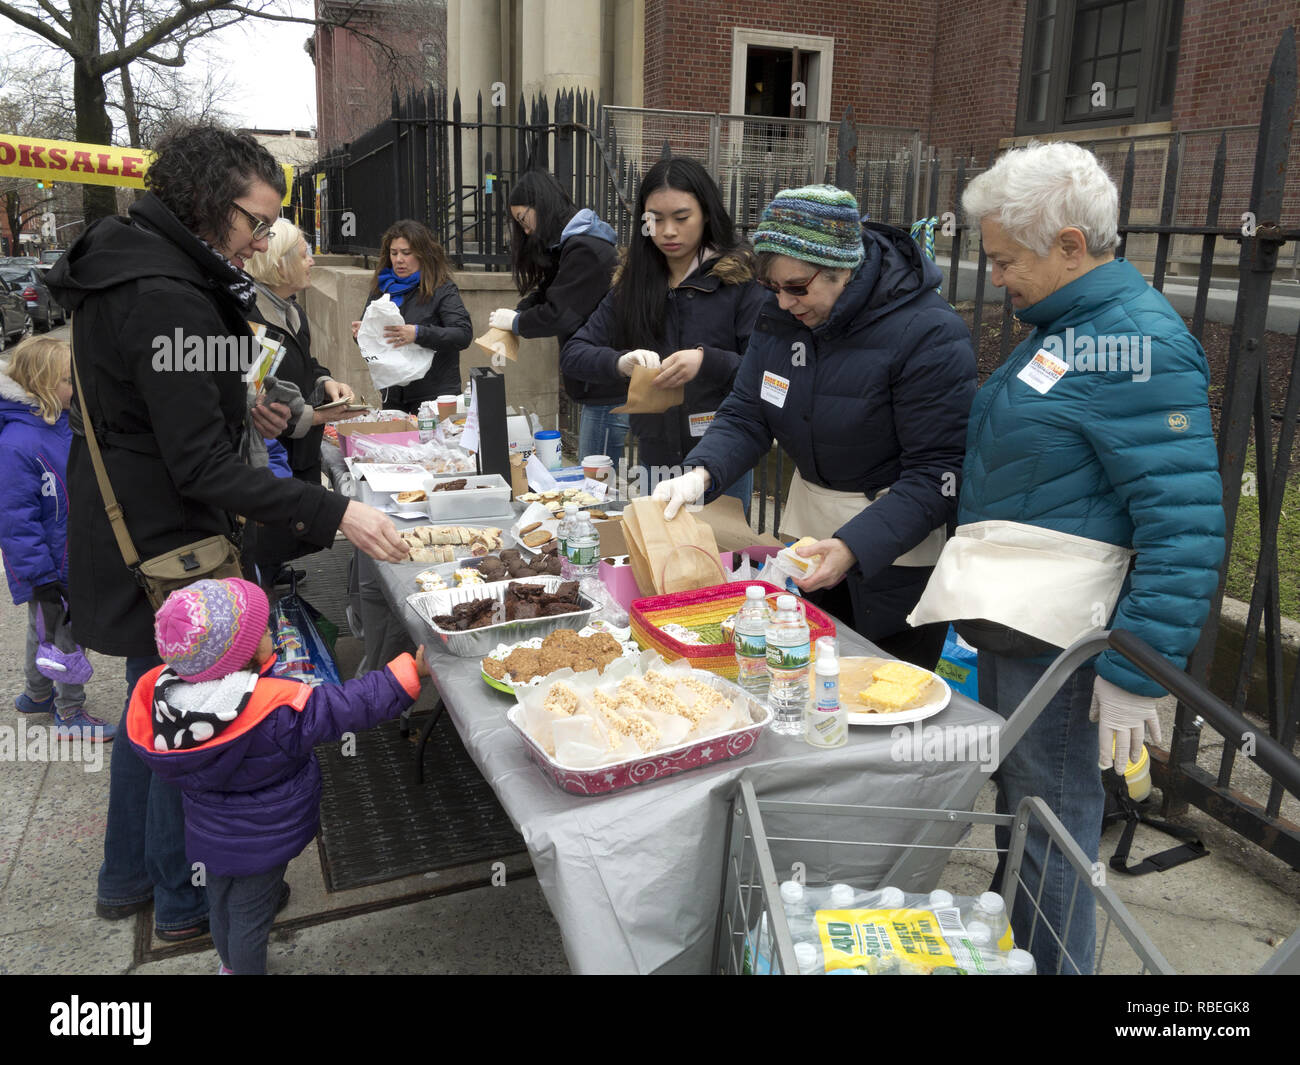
(111, 506)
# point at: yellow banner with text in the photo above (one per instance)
(84, 164)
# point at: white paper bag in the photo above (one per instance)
(389, 365)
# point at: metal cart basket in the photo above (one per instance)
(750, 879)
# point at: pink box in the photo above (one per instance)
(348, 441)
(620, 582)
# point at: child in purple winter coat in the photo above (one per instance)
(238, 743)
(35, 392)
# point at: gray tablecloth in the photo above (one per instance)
(634, 877)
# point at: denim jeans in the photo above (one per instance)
(243, 910)
(144, 841)
(1056, 760)
(602, 433)
(68, 698)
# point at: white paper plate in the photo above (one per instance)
(904, 717)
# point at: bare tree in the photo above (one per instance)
(158, 33)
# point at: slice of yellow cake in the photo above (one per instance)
(903, 675)
(887, 697)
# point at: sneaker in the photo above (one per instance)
(180, 935)
(223, 971)
(25, 704)
(118, 913)
(89, 728)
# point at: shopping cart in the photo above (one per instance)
(910, 848)
(751, 883)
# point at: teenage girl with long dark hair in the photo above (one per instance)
(563, 261)
(684, 301)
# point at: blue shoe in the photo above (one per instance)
(91, 729)
(25, 704)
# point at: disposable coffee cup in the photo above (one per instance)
(546, 445)
(446, 406)
(598, 467)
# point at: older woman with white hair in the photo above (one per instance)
(1090, 499)
(281, 272)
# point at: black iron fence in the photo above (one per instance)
(455, 173)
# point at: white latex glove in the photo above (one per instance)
(640, 357)
(1120, 718)
(688, 488)
(503, 318)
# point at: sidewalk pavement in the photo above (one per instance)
(1222, 914)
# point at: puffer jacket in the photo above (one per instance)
(583, 264)
(1125, 456)
(715, 308)
(874, 397)
(33, 493)
(252, 792)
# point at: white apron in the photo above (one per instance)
(811, 510)
(1052, 585)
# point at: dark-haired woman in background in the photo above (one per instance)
(684, 301)
(414, 272)
(563, 261)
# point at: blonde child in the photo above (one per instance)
(35, 391)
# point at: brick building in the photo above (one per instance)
(967, 78)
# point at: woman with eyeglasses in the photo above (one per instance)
(413, 270)
(683, 302)
(160, 344)
(864, 375)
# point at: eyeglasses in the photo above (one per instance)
(790, 290)
(260, 229)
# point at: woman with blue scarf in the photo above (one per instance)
(861, 371)
(414, 272)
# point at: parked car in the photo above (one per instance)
(20, 260)
(17, 323)
(52, 255)
(30, 282)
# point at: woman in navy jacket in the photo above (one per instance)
(864, 375)
(563, 262)
(684, 301)
(414, 271)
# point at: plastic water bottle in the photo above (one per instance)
(843, 897)
(789, 652)
(428, 420)
(750, 639)
(891, 898)
(826, 722)
(562, 533)
(583, 548)
(940, 899)
(1020, 963)
(991, 910)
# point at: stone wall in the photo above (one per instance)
(340, 285)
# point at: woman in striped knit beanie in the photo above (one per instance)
(864, 376)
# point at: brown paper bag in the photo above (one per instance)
(518, 479)
(644, 398)
(636, 553)
(677, 555)
(500, 342)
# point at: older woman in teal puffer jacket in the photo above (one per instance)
(1090, 499)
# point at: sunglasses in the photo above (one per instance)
(790, 290)
(260, 229)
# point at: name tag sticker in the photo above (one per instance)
(1043, 371)
(775, 388)
(700, 422)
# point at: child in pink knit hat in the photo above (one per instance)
(238, 743)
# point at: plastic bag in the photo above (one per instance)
(59, 657)
(389, 365)
(957, 665)
(304, 642)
